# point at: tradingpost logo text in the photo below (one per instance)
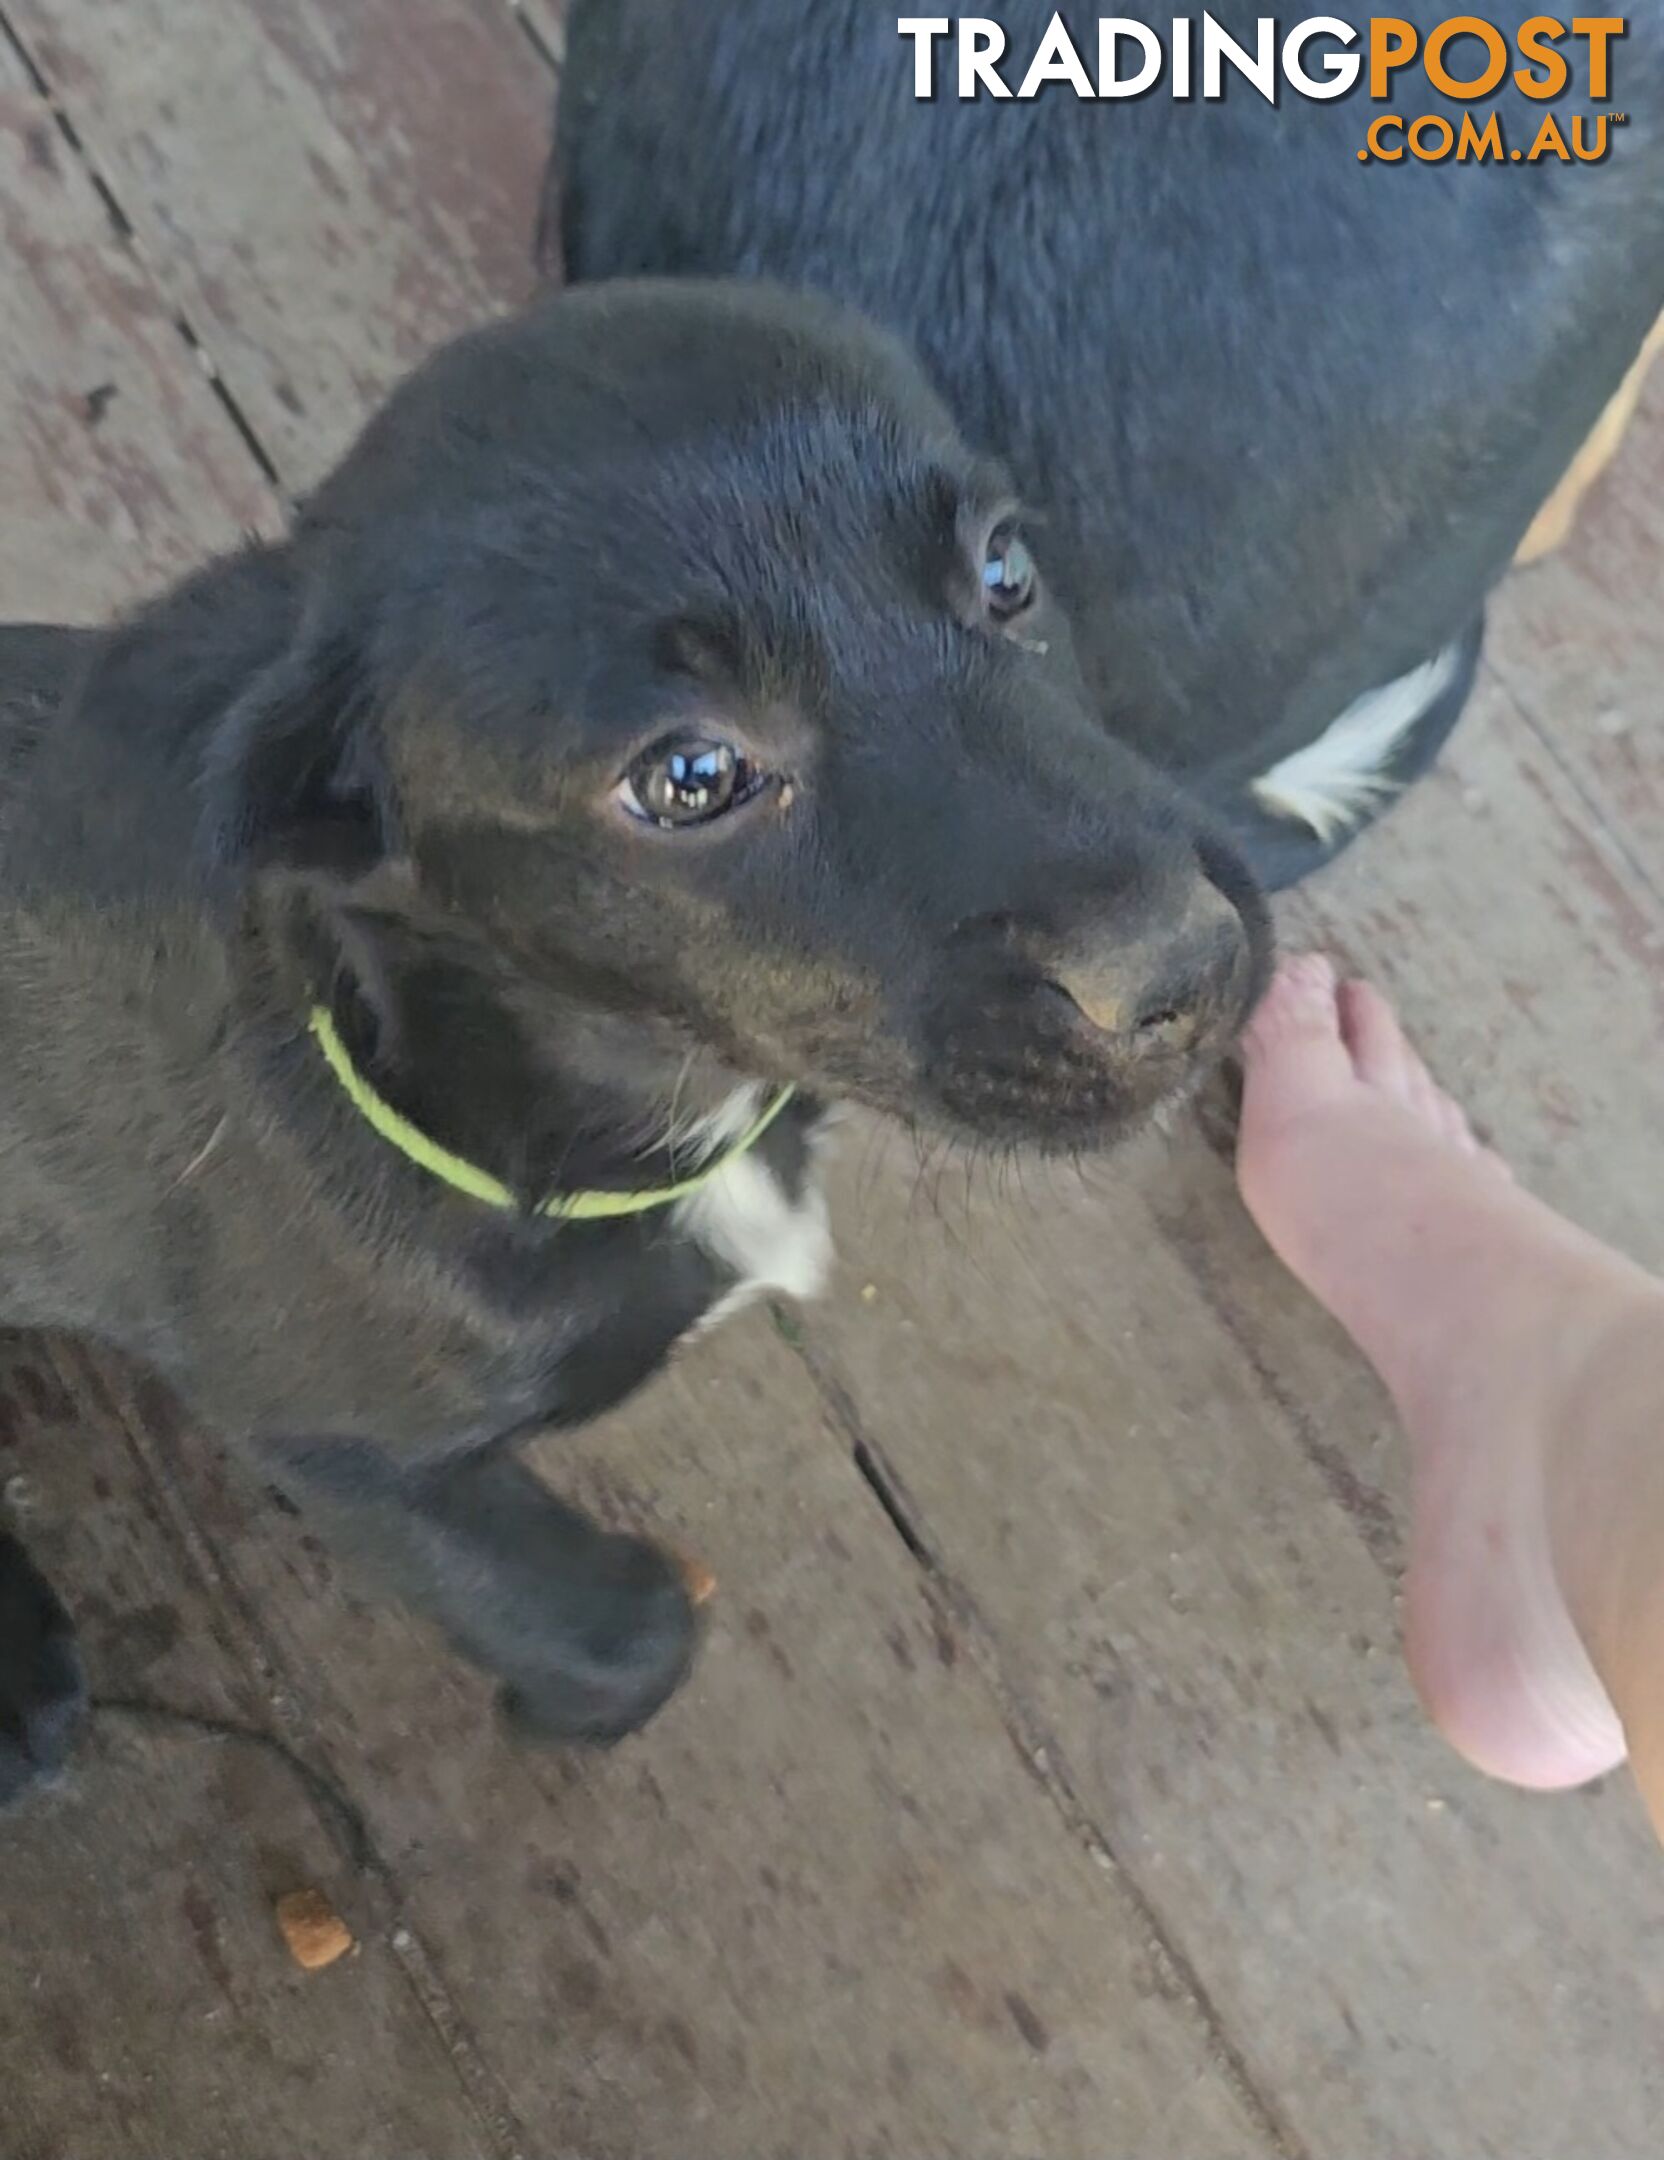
(1464, 57)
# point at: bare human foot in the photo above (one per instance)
(1527, 1363)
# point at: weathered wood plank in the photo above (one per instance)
(117, 466)
(1579, 641)
(325, 192)
(1171, 1498)
(147, 2003)
(819, 1908)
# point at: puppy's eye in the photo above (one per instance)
(1010, 581)
(689, 782)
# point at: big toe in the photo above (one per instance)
(1293, 1052)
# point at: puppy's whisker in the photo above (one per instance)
(673, 1134)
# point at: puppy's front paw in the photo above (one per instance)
(629, 1653)
(43, 1687)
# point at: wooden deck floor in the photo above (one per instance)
(1050, 1785)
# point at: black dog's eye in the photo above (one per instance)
(1009, 578)
(689, 783)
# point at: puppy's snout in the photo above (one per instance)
(1069, 1019)
(1173, 991)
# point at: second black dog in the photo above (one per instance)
(1286, 416)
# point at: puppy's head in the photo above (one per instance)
(675, 646)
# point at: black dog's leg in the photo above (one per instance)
(43, 1689)
(590, 1633)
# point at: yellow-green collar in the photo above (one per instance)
(467, 1177)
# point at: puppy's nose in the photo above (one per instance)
(1171, 990)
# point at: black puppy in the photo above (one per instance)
(1287, 416)
(428, 948)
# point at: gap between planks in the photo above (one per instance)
(1036, 1749)
(543, 23)
(128, 240)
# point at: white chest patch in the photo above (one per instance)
(745, 1220)
(1337, 781)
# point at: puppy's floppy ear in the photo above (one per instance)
(294, 777)
(298, 818)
